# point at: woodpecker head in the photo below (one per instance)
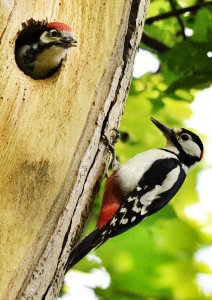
(40, 48)
(188, 145)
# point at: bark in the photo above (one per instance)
(52, 157)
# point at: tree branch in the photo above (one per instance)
(172, 14)
(180, 22)
(153, 43)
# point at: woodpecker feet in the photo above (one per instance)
(114, 162)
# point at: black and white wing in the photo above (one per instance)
(155, 189)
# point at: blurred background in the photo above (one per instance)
(169, 255)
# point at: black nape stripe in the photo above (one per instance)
(167, 150)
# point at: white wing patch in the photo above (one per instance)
(113, 222)
(143, 210)
(123, 221)
(147, 198)
(169, 181)
(136, 208)
(150, 196)
(130, 173)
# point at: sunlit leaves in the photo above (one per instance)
(202, 25)
(187, 66)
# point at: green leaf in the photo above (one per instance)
(202, 25)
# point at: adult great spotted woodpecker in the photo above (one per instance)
(142, 186)
(41, 47)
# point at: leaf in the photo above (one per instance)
(196, 81)
(202, 25)
(187, 66)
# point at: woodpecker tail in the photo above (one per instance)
(84, 247)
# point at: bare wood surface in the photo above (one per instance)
(51, 154)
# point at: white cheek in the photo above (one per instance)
(44, 39)
(191, 148)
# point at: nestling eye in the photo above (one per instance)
(54, 32)
(185, 137)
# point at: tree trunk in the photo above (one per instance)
(52, 157)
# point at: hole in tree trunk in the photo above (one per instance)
(41, 47)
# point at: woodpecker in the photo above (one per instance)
(142, 186)
(41, 47)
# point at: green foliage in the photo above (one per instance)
(155, 260)
(180, 67)
(202, 26)
(186, 65)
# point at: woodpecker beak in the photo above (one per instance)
(168, 133)
(68, 41)
(65, 41)
(71, 42)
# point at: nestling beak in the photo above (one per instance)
(69, 41)
(168, 133)
(73, 42)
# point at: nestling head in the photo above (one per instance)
(58, 34)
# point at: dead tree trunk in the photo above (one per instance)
(51, 154)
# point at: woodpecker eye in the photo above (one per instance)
(54, 32)
(185, 137)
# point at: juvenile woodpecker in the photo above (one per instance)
(40, 48)
(142, 186)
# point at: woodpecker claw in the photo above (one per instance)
(107, 175)
(114, 162)
(117, 135)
